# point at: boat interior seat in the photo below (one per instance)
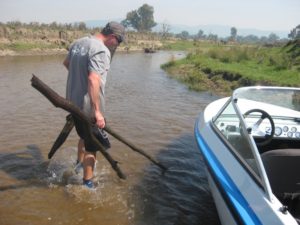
(283, 169)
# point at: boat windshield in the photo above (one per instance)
(277, 101)
(229, 125)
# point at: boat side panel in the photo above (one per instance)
(238, 189)
(223, 211)
(236, 203)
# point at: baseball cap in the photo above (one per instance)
(116, 29)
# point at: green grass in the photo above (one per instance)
(178, 45)
(237, 65)
(249, 69)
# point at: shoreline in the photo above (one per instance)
(56, 51)
(32, 52)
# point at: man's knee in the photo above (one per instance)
(90, 155)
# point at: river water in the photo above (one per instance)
(143, 105)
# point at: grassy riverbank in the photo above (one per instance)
(222, 68)
(34, 39)
(57, 46)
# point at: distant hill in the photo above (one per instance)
(220, 30)
(223, 31)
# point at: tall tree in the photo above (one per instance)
(184, 35)
(233, 33)
(273, 38)
(212, 37)
(165, 30)
(200, 34)
(132, 20)
(141, 19)
(295, 33)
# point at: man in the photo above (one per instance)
(88, 62)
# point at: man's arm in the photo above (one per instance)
(94, 82)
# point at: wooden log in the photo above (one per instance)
(70, 124)
(133, 147)
(63, 103)
(62, 136)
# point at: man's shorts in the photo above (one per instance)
(89, 144)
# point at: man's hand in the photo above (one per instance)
(100, 122)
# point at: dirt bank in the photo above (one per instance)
(9, 49)
(36, 51)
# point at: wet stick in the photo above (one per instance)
(70, 124)
(133, 147)
(62, 136)
(61, 102)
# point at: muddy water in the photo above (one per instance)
(145, 106)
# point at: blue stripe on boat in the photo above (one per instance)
(230, 190)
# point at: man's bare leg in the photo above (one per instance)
(80, 151)
(88, 165)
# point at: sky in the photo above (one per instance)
(258, 14)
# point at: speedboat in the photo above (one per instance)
(250, 143)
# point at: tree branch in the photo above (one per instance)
(61, 102)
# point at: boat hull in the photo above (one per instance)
(238, 198)
(223, 211)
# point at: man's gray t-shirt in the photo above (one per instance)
(86, 55)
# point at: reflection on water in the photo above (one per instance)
(181, 195)
(151, 110)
